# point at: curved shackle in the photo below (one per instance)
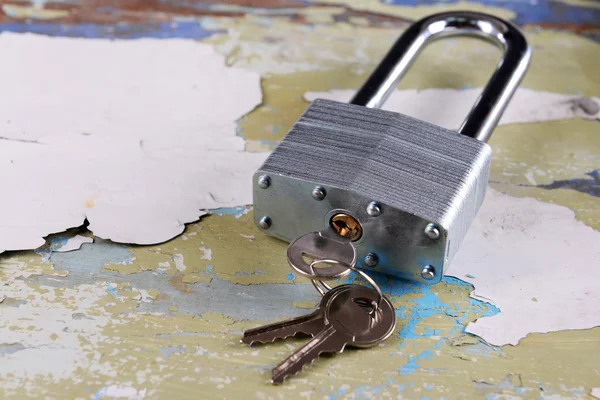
(490, 105)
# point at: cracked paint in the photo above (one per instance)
(186, 125)
(118, 339)
(218, 238)
(452, 105)
(119, 343)
(588, 186)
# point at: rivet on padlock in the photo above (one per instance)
(409, 187)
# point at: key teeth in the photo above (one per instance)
(277, 338)
(284, 377)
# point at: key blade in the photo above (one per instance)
(310, 324)
(327, 341)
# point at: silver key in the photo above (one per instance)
(309, 324)
(322, 245)
(346, 323)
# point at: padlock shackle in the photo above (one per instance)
(490, 105)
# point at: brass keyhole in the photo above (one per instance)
(346, 226)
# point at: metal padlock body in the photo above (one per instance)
(414, 187)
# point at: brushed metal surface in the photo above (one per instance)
(418, 172)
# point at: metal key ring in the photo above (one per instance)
(361, 273)
(316, 284)
(317, 244)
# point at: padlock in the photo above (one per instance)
(403, 190)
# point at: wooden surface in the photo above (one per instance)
(121, 321)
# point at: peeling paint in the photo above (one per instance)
(545, 240)
(129, 345)
(23, 12)
(148, 344)
(181, 172)
(422, 11)
(452, 105)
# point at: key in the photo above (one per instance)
(309, 324)
(347, 323)
(322, 245)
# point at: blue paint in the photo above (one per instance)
(112, 291)
(527, 12)
(374, 390)
(100, 393)
(166, 30)
(167, 351)
(55, 243)
(412, 365)
(92, 257)
(238, 211)
(257, 272)
(238, 131)
(58, 242)
(45, 254)
(291, 276)
(430, 332)
(270, 143)
(339, 393)
(427, 305)
(588, 186)
(209, 268)
(409, 367)
(275, 129)
(482, 349)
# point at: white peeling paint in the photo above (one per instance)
(138, 136)
(595, 393)
(73, 243)
(207, 253)
(449, 107)
(519, 249)
(530, 177)
(144, 296)
(164, 264)
(178, 260)
(58, 333)
(116, 391)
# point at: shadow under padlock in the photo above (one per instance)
(406, 191)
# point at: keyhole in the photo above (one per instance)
(346, 226)
(318, 263)
(367, 305)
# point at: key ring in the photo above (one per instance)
(361, 273)
(319, 288)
